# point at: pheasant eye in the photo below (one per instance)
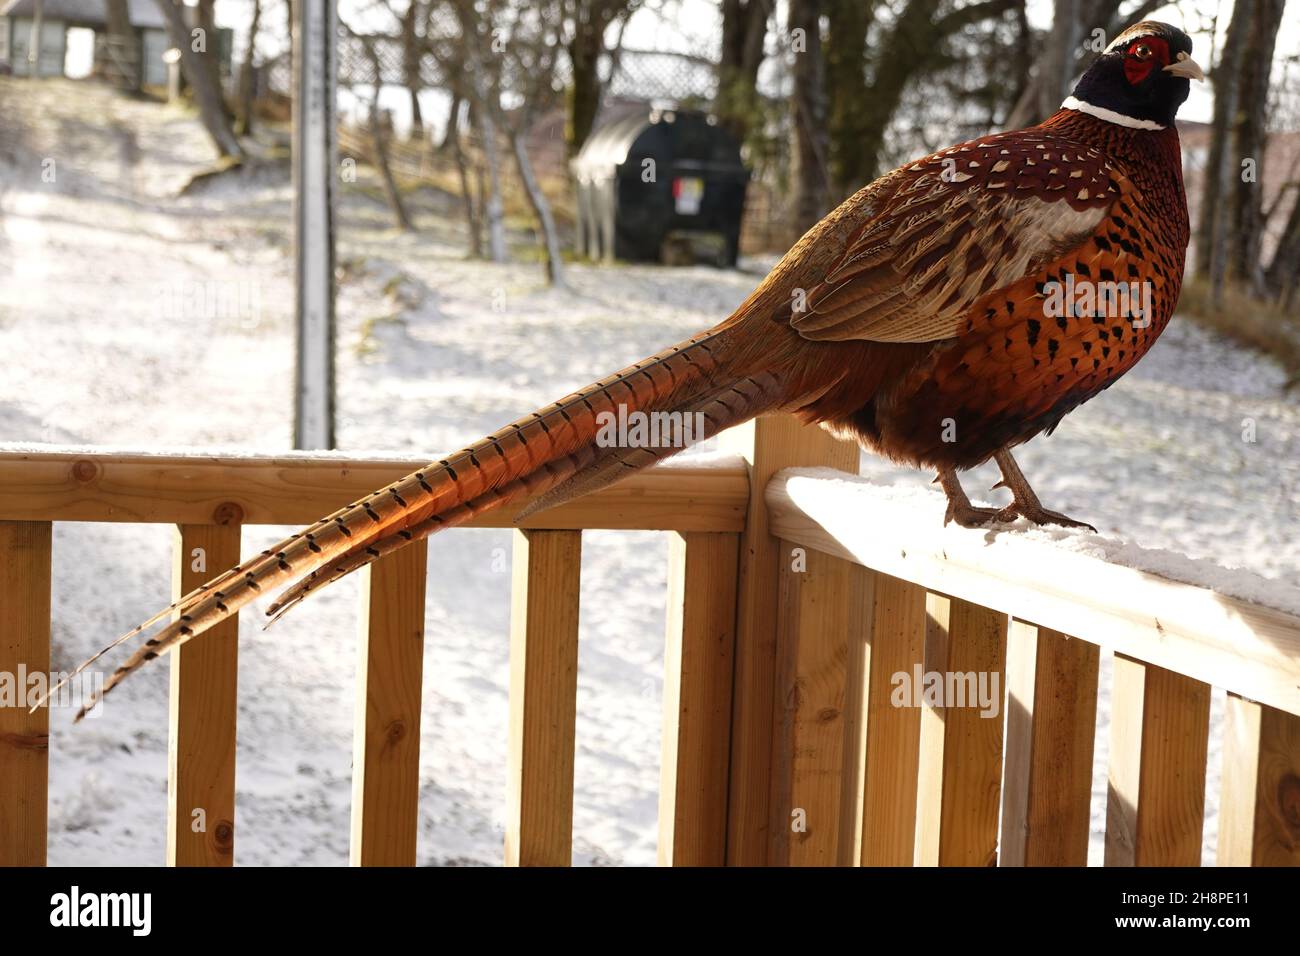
(1143, 52)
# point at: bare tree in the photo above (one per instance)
(483, 89)
(909, 47)
(248, 74)
(587, 22)
(473, 222)
(1249, 136)
(201, 76)
(846, 83)
(379, 135)
(412, 54)
(122, 54)
(522, 62)
(744, 33)
(808, 115)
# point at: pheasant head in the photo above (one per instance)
(1140, 79)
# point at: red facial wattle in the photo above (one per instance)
(1143, 56)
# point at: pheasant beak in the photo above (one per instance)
(1185, 67)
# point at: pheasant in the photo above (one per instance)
(923, 317)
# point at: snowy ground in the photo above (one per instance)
(146, 320)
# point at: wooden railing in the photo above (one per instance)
(870, 590)
(792, 604)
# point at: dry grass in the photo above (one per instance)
(1262, 326)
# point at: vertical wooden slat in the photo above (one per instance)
(1259, 812)
(698, 659)
(25, 549)
(820, 602)
(386, 738)
(543, 697)
(202, 709)
(1155, 808)
(889, 794)
(857, 667)
(1051, 716)
(768, 444)
(961, 746)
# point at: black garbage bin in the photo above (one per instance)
(663, 186)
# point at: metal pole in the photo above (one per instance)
(315, 39)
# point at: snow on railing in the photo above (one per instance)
(871, 577)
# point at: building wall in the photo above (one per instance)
(155, 43)
(53, 46)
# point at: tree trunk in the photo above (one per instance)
(1211, 236)
(122, 57)
(541, 208)
(584, 90)
(472, 220)
(904, 53)
(379, 143)
(846, 87)
(451, 136)
(411, 64)
(1283, 275)
(211, 58)
(248, 74)
(379, 135)
(34, 40)
(744, 28)
(492, 208)
(808, 112)
(207, 94)
(1249, 135)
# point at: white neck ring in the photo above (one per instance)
(1110, 116)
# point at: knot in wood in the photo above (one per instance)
(228, 513)
(223, 835)
(1288, 799)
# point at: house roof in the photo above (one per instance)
(143, 13)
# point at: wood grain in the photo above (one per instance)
(819, 606)
(25, 554)
(203, 706)
(1160, 724)
(961, 744)
(893, 734)
(1259, 810)
(767, 444)
(698, 658)
(386, 738)
(547, 571)
(287, 490)
(1051, 719)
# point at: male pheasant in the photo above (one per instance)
(915, 317)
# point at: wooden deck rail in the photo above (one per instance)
(793, 605)
(873, 588)
(209, 499)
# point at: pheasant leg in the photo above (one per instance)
(1024, 503)
(960, 509)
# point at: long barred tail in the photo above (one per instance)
(552, 453)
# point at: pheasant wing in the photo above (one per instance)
(955, 228)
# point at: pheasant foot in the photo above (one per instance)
(1025, 503)
(960, 509)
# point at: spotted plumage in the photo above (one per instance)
(917, 317)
